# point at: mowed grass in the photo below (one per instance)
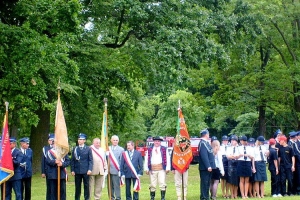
(39, 188)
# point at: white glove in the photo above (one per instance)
(107, 153)
(119, 173)
(123, 179)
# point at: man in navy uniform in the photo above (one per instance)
(131, 169)
(15, 181)
(206, 164)
(26, 168)
(82, 166)
(52, 172)
(44, 164)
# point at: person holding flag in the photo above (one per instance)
(96, 181)
(52, 174)
(157, 166)
(181, 157)
(6, 161)
(15, 182)
(115, 155)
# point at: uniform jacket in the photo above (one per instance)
(118, 155)
(44, 165)
(99, 164)
(17, 157)
(206, 156)
(26, 164)
(137, 162)
(82, 160)
(52, 166)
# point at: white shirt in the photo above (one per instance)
(257, 156)
(156, 156)
(249, 151)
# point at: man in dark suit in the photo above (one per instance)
(82, 166)
(15, 181)
(131, 168)
(206, 164)
(44, 165)
(53, 165)
(26, 168)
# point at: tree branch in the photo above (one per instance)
(285, 41)
(278, 50)
(116, 45)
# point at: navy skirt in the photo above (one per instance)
(232, 173)
(225, 165)
(244, 168)
(216, 175)
(261, 172)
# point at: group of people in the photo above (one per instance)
(20, 182)
(241, 165)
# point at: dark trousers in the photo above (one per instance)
(286, 175)
(48, 193)
(205, 177)
(54, 191)
(26, 188)
(275, 189)
(78, 179)
(16, 185)
(296, 180)
(128, 189)
(115, 187)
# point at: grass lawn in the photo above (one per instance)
(39, 188)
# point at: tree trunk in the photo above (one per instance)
(262, 120)
(39, 138)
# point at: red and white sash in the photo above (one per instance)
(115, 163)
(137, 185)
(96, 152)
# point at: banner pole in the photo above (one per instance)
(58, 183)
(182, 187)
(107, 149)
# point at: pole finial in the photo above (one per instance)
(6, 105)
(179, 106)
(105, 100)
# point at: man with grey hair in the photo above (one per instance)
(115, 154)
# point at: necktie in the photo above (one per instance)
(130, 154)
(233, 150)
(261, 154)
(245, 157)
(156, 151)
(81, 148)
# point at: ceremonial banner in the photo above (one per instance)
(104, 132)
(61, 134)
(6, 164)
(182, 152)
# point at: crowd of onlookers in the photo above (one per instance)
(242, 164)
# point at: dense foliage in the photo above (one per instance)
(233, 64)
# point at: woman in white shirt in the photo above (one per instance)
(218, 171)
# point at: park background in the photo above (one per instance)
(234, 64)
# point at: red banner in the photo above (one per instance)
(182, 152)
(6, 164)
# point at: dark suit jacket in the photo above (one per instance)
(17, 157)
(137, 162)
(82, 160)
